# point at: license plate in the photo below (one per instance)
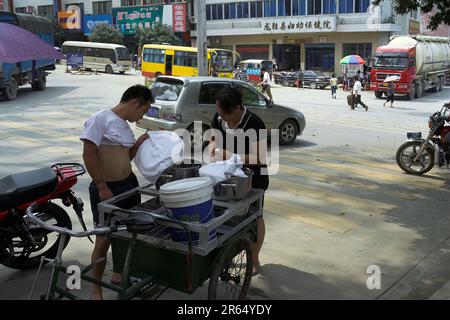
(153, 112)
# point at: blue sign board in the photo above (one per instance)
(74, 60)
(91, 20)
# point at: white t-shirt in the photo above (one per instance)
(107, 128)
(266, 78)
(357, 88)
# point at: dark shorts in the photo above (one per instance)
(116, 187)
(390, 97)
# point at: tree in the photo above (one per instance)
(106, 33)
(158, 34)
(441, 15)
(59, 34)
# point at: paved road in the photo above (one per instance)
(338, 205)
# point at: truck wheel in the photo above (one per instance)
(419, 91)
(378, 94)
(412, 92)
(285, 83)
(41, 82)
(10, 91)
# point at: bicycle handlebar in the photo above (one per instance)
(81, 234)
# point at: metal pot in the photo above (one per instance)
(178, 172)
(234, 188)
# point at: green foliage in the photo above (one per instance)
(158, 34)
(59, 34)
(441, 15)
(106, 33)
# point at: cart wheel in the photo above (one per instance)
(231, 276)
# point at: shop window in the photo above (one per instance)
(346, 6)
(226, 11)
(219, 12)
(214, 12)
(233, 10)
(125, 3)
(270, 8)
(298, 7)
(21, 10)
(319, 56)
(361, 5)
(45, 11)
(364, 50)
(281, 8)
(242, 10)
(102, 7)
(314, 7)
(256, 9)
(329, 6)
(259, 6)
(208, 12)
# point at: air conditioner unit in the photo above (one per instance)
(193, 19)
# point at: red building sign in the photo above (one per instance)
(179, 17)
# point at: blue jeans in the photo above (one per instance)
(333, 90)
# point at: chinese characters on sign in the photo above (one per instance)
(316, 24)
(129, 19)
(179, 17)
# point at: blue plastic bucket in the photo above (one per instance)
(189, 200)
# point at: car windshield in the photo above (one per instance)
(222, 60)
(122, 54)
(390, 62)
(167, 89)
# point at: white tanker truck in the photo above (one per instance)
(421, 63)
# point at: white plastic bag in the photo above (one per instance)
(218, 171)
(161, 150)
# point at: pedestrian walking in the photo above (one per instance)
(357, 94)
(333, 84)
(390, 93)
(266, 84)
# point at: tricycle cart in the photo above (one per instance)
(151, 262)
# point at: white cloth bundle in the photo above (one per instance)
(220, 170)
(161, 150)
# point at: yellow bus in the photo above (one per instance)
(159, 59)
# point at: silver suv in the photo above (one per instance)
(179, 101)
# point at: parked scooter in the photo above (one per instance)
(22, 242)
(418, 156)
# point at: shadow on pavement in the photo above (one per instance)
(276, 281)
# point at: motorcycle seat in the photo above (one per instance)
(24, 187)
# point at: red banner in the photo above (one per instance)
(179, 17)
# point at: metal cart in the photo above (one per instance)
(151, 262)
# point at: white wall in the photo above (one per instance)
(34, 3)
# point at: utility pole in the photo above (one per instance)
(202, 41)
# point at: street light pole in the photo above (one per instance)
(202, 42)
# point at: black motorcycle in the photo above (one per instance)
(418, 156)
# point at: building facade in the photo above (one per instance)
(124, 14)
(306, 34)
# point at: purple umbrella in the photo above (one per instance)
(17, 44)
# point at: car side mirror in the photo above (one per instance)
(268, 103)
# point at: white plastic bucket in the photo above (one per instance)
(189, 200)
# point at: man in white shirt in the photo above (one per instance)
(266, 84)
(109, 146)
(357, 94)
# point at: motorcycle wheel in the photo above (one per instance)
(49, 247)
(406, 153)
